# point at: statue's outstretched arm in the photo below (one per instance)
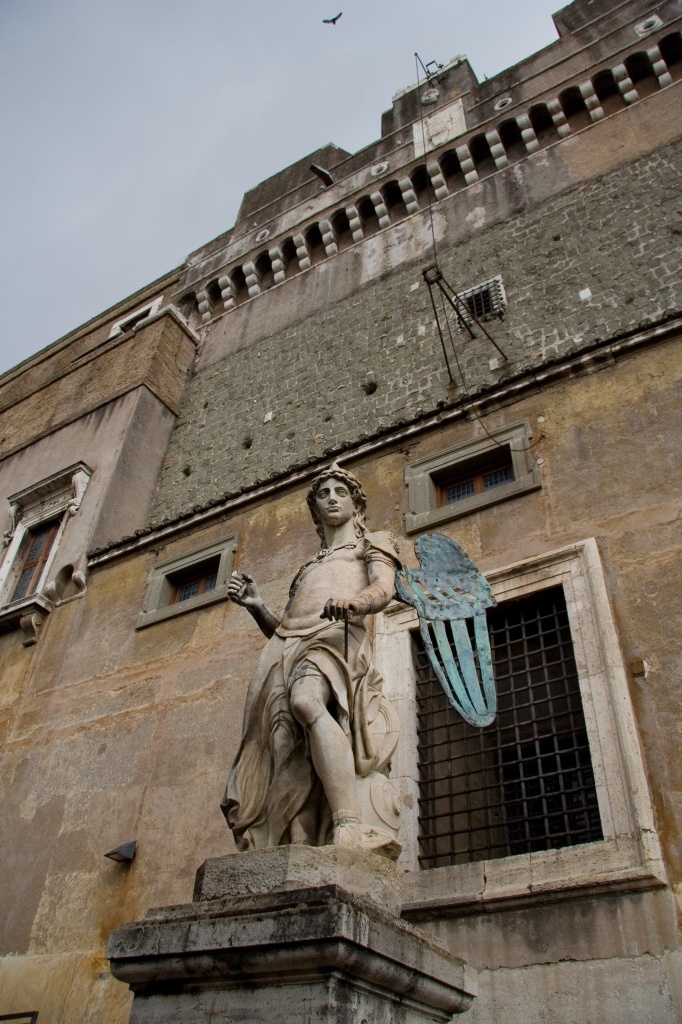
(242, 590)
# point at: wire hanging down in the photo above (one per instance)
(464, 313)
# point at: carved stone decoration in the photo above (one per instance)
(67, 584)
(380, 207)
(14, 516)
(252, 282)
(79, 482)
(528, 136)
(204, 306)
(592, 103)
(318, 732)
(355, 223)
(30, 625)
(409, 195)
(625, 84)
(437, 180)
(467, 164)
(660, 68)
(302, 253)
(557, 114)
(277, 260)
(497, 150)
(227, 292)
(328, 239)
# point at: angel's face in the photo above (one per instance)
(334, 502)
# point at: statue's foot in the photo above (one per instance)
(352, 834)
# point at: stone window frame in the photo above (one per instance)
(498, 300)
(422, 488)
(46, 500)
(56, 497)
(629, 857)
(160, 584)
(130, 320)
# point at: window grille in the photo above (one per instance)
(486, 301)
(525, 783)
(475, 476)
(202, 580)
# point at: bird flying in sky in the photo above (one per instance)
(332, 21)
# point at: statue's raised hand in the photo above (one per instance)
(242, 590)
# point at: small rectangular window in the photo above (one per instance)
(485, 301)
(200, 579)
(525, 783)
(475, 476)
(188, 582)
(471, 476)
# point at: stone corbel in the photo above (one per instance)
(79, 482)
(14, 517)
(68, 584)
(28, 614)
(30, 625)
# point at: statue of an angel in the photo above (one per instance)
(318, 731)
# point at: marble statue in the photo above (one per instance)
(318, 732)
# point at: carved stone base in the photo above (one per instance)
(292, 954)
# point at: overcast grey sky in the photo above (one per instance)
(129, 129)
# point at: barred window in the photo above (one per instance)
(475, 476)
(525, 783)
(484, 302)
(199, 580)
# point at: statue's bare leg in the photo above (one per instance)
(330, 750)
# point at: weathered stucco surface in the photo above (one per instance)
(111, 733)
(115, 734)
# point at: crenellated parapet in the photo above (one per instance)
(434, 156)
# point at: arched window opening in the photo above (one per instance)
(239, 289)
(423, 187)
(214, 297)
(451, 170)
(479, 147)
(671, 51)
(510, 137)
(314, 244)
(342, 230)
(573, 106)
(264, 271)
(642, 74)
(368, 216)
(290, 258)
(607, 92)
(393, 198)
(543, 125)
(189, 307)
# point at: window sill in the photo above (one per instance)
(446, 513)
(589, 869)
(171, 611)
(27, 614)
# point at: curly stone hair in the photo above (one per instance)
(358, 497)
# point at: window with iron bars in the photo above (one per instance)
(525, 783)
(484, 302)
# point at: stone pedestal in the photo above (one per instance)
(293, 935)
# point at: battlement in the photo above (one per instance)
(438, 139)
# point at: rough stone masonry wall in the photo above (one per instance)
(296, 396)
